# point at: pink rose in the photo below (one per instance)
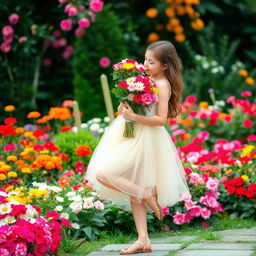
(195, 211)
(96, 5)
(146, 99)
(5, 47)
(99, 205)
(22, 39)
(84, 23)
(179, 218)
(92, 15)
(8, 39)
(14, 18)
(79, 31)
(62, 1)
(186, 197)
(66, 24)
(205, 213)
(104, 62)
(189, 204)
(212, 184)
(7, 30)
(72, 11)
(165, 210)
(67, 7)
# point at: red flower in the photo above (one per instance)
(65, 222)
(7, 130)
(250, 193)
(231, 190)
(137, 98)
(241, 191)
(123, 84)
(191, 99)
(50, 145)
(252, 187)
(53, 215)
(248, 123)
(213, 121)
(188, 171)
(66, 128)
(10, 120)
(38, 133)
(83, 150)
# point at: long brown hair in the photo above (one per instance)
(166, 53)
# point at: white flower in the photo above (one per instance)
(101, 130)
(59, 198)
(3, 193)
(130, 80)
(76, 198)
(198, 57)
(205, 65)
(94, 127)
(99, 205)
(83, 125)
(96, 120)
(214, 70)
(59, 208)
(74, 129)
(214, 63)
(54, 189)
(139, 86)
(75, 225)
(94, 194)
(64, 215)
(88, 203)
(76, 207)
(9, 219)
(71, 193)
(106, 119)
(5, 208)
(32, 220)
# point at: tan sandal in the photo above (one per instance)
(152, 202)
(145, 249)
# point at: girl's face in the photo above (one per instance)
(153, 66)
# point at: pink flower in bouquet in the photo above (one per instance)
(251, 137)
(246, 94)
(84, 23)
(105, 62)
(66, 24)
(67, 7)
(146, 99)
(188, 217)
(205, 213)
(14, 18)
(65, 222)
(193, 177)
(230, 99)
(179, 218)
(7, 30)
(53, 215)
(186, 197)
(96, 5)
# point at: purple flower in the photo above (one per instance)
(210, 90)
(29, 127)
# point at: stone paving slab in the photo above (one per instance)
(155, 247)
(169, 239)
(230, 238)
(239, 232)
(154, 253)
(213, 253)
(220, 246)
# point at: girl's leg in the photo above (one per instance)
(140, 219)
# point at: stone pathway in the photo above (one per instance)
(233, 242)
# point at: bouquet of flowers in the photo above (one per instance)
(135, 87)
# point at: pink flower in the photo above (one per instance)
(92, 15)
(205, 224)
(67, 7)
(65, 55)
(47, 62)
(80, 8)
(56, 33)
(62, 1)
(52, 215)
(66, 24)
(62, 41)
(189, 204)
(9, 147)
(5, 47)
(179, 218)
(188, 217)
(79, 31)
(205, 213)
(99, 205)
(146, 99)
(178, 132)
(65, 222)
(165, 210)
(22, 39)
(84, 23)
(69, 49)
(8, 39)
(14, 18)
(193, 177)
(251, 137)
(212, 184)
(186, 197)
(7, 30)
(69, 173)
(72, 11)
(230, 99)
(191, 99)
(104, 62)
(246, 94)
(195, 211)
(21, 249)
(96, 5)
(248, 123)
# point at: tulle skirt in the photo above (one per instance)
(137, 167)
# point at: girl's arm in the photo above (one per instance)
(161, 116)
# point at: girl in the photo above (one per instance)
(145, 172)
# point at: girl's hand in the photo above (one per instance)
(120, 108)
(128, 113)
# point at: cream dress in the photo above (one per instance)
(137, 166)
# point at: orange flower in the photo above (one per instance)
(178, 30)
(9, 108)
(64, 181)
(174, 22)
(2, 176)
(198, 24)
(61, 113)
(19, 130)
(180, 38)
(152, 37)
(249, 81)
(33, 114)
(169, 12)
(67, 103)
(49, 165)
(243, 72)
(152, 13)
(83, 150)
(11, 158)
(66, 128)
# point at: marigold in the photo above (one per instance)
(180, 10)
(11, 158)
(152, 37)
(19, 130)
(33, 114)
(5, 167)
(169, 12)
(178, 29)
(174, 22)
(61, 113)
(197, 24)
(49, 165)
(243, 72)
(180, 38)
(12, 174)
(9, 108)
(2, 176)
(26, 170)
(249, 81)
(152, 13)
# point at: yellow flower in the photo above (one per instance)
(49, 165)
(155, 90)
(26, 170)
(174, 22)
(203, 104)
(17, 199)
(2, 176)
(243, 72)
(228, 171)
(9, 108)
(152, 13)
(9, 188)
(11, 158)
(245, 177)
(128, 66)
(12, 174)
(5, 167)
(249, 81)
(247, 150)
(45, 151)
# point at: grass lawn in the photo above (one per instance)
(200, 234)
